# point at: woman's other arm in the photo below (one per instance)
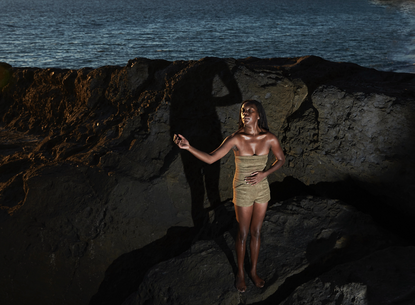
(279, 156)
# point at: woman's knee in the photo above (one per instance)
(242, 235)
(255, 233)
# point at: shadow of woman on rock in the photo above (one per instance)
(194, 94)
(193, 114)
(125, 274)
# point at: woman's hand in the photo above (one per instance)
(255, 177)
(181, 141)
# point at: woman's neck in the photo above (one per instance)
(252, 130)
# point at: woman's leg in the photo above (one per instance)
(258, 215)
(243, 216)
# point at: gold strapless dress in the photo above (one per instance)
(244, 194)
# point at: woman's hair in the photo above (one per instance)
(262, 122)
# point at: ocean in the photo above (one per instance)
(93, 33)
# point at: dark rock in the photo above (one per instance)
(384, 277)
(5, 72)
(300, 239)
(89, 173)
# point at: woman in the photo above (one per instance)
(251, 145)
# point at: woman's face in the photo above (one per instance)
(249, 113)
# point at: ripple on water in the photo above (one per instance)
(70, 34)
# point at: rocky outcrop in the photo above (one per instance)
(301, 238)
(384, 277)
(90, 180)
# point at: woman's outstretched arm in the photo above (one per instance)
(210, 158)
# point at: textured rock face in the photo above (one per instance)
(300, 238)
(89, 174)
(384, 277)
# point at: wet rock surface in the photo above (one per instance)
(93, 193)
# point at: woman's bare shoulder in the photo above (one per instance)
(237, 134)
(270, 136)
(233, 137)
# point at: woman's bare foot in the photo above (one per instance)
(257, 280)
(240, 283)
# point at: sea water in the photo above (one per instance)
(93, 33)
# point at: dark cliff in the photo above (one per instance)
(89, 175)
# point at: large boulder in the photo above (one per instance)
(382, 278)
(301, 238)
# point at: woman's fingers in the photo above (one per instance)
(254, 178)
(251, 179)
(180, 141)
(177, 138)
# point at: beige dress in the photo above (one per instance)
(244, 194)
